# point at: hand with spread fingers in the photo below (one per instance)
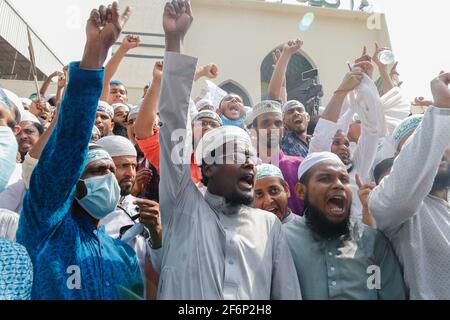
(365, 63)
(102, 31)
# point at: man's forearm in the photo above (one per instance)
(279, 77)
(147, 115)
(174, 43)
(334, 107)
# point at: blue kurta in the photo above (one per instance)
(71, 258)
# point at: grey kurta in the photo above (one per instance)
(336, 269)
(210, 252)
(418, 224)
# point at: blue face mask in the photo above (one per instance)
(8, 154)
(237, 123)
(103, 195)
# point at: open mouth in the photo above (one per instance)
(298, 121)
(234, 109)
(336, 205)
(246, 182)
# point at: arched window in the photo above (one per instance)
(232, 86)
(295, 84)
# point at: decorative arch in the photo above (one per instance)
(299, 63)
(233, 86)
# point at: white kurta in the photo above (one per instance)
(418, 224)
(9, 222)
(209, 251)
(363, 156)
(118, 219)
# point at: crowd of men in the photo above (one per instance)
(179, 198)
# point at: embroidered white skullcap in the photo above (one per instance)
(207, 114)
(293, 104)
(105, 107)
(134, 112)
(205, 103)
(95, 153)
(117, 146)
(268, 106)
(120, 105)
(216, 138)
(316, 158)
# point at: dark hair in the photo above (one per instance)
(305, 178)
(118, 83)
(40, 128)
(382, 167)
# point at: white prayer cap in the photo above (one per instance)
(205, 103)
(209, 115)
(105, 107)
(28, 116)
(13, 98)
(293, 104)
(95, 153)
(26, 102)
(268, 106)
(314, 159)
(134, 112)
(120, 105)
(117, 146)
(216, 138)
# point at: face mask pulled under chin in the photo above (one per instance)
(103, 195)
(8, 153)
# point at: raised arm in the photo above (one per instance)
(176, 89)
(129, 42)
(400, 194)
(61, 163)
(147, 116)
(210, 71)
(385, 75)
(328, 124)
(279, 75)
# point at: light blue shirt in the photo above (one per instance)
(333, 269)
(16, 271)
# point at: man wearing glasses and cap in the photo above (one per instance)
(214, 246)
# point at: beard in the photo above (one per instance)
(442, 180)
(120, 130)
(238, 199)
(320, 225)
